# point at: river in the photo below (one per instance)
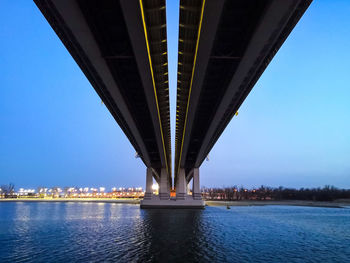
(107, 232)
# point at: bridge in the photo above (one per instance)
(224, 47)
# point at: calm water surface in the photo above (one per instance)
(98, 232)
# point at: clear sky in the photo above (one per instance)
(292, 130)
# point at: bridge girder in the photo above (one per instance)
(121, 47)
(235, 41)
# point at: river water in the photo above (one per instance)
(105, 232)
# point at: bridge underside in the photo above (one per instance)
(121, 47)
(224, 47)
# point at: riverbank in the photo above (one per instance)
(88, 200)
(334, 204)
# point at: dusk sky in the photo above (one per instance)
(292, 130)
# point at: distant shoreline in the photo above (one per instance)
(331, 204)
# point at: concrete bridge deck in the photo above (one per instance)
(224, 47)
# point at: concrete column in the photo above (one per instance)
(181, 185)
(196, 190)
(164, 193)
(188, 189)
(169, 187)
(149, 183)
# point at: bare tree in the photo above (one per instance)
(7, 190)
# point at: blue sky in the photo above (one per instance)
(292, 130)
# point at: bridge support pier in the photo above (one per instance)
(196, 190)
(164, 193)
(181, 185)
(149, 183)
(183, 200)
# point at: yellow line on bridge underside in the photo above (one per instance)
(154, 84)
(189, 93)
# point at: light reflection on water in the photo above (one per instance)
(95, 232)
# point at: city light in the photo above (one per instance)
(75, 192)
(155, 187)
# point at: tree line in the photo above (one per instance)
(234, 193)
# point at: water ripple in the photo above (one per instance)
(80, 232)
